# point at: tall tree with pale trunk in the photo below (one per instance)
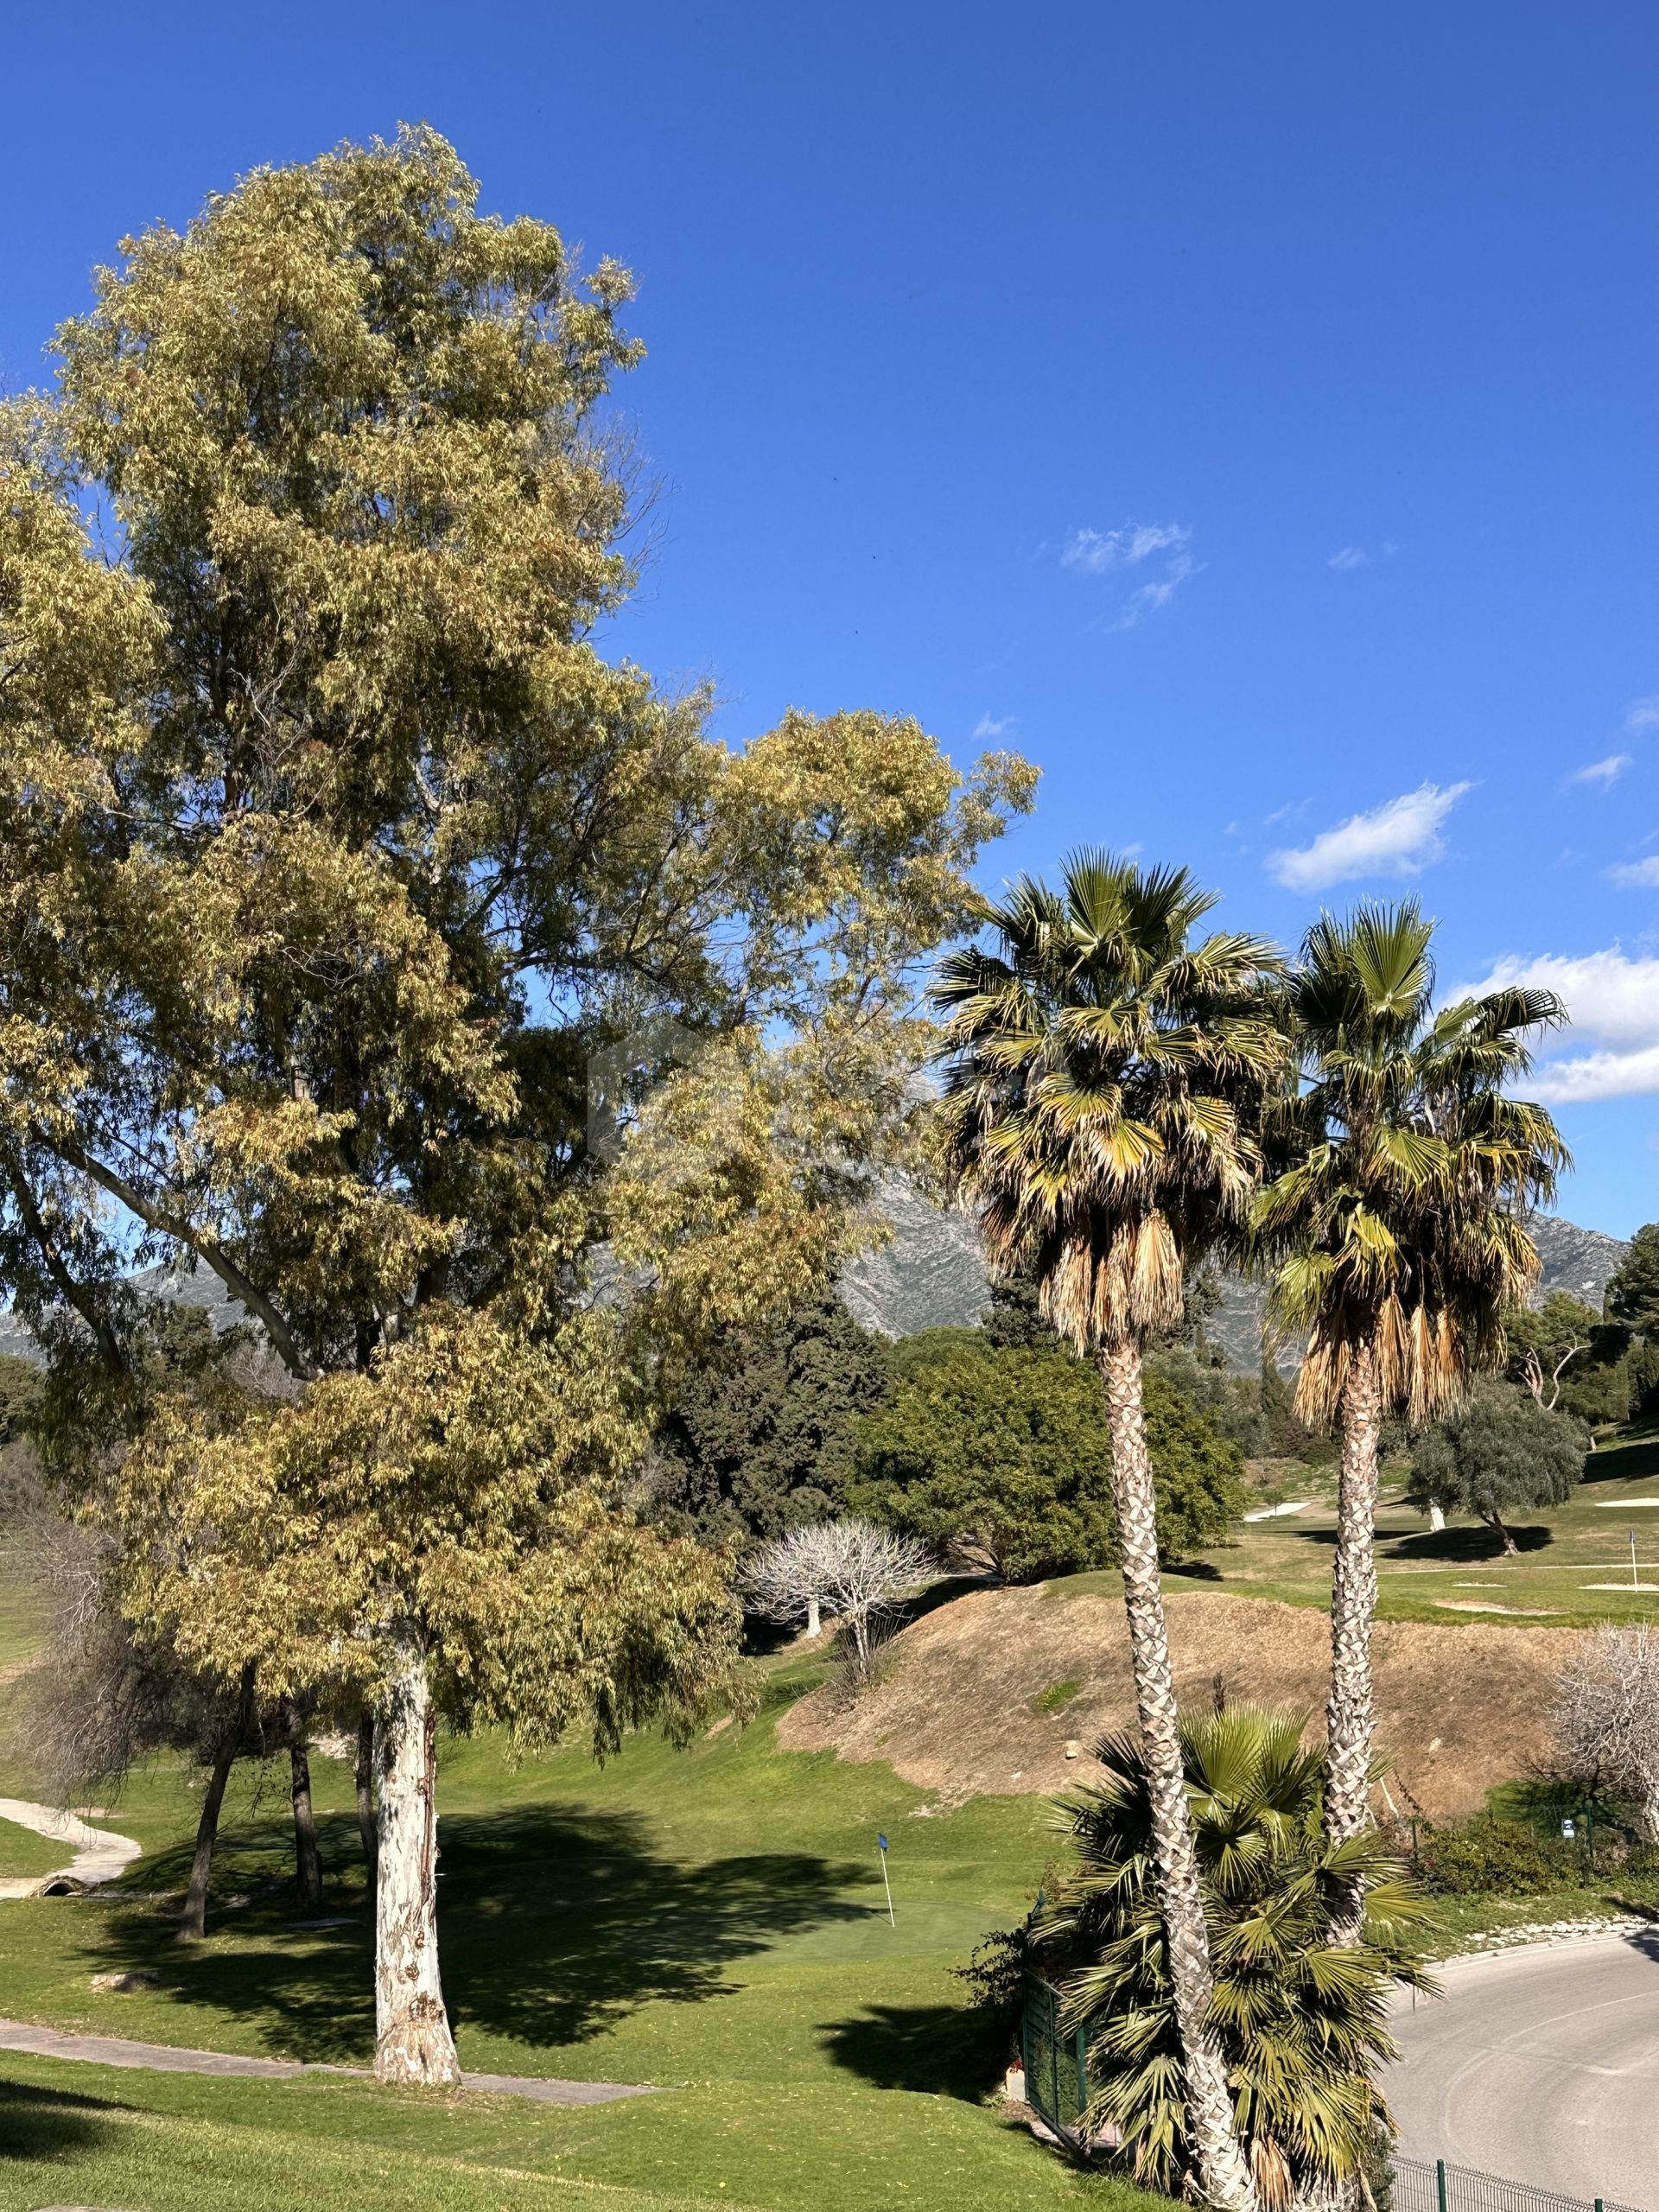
(333, 857)
(1396, 1237)
(1104, 1071)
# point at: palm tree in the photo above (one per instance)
(1102, 1073)
(1304, 2028)
(1397, 1237)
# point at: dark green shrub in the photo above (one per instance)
(1497, 1857)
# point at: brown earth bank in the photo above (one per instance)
(957, 1708)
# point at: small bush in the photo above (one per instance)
(1496, 1857)
(1056, 1697)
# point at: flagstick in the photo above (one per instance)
(887, 1886)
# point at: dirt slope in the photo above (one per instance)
(1458, 1709)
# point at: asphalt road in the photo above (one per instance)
(1542, 2066)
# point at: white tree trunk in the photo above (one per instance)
(1436, 1517)
(1649, 1821)
(814, 1619)
(412, 2042)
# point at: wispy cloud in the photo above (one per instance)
(1602, 771)
(1101, 552)
(1401, 838)
(1636, 875)
(1094, 551)
(1641, 713)
(991, 726)
(1361, 556)
(1612, 1004)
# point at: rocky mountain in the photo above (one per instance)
(931, 1274)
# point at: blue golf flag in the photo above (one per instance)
(881, 1841)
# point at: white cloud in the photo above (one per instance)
(1636, 875)
(1148, 598)
(1612, 1004)
(1401, 838)
(1096, 550)
(1602, 771)
(989, 726)
(1644, 714)
(1360, 557)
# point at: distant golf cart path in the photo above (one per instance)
(98, 1854)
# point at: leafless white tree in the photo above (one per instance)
(855, 1568)
(1607, 1717)
(1533, 1369)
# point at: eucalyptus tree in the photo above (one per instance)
(333, 853)
(1395, 1236)
(1104, 1070)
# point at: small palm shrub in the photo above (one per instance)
(1302, 2024)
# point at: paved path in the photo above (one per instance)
(168, 2058)
(1541, 2065)
(99, 1854)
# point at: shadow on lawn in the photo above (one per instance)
(553, 1924)
(937, 2049)
(50, 2124)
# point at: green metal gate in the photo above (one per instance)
(1056, 2065)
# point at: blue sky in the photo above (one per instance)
(1247, 411)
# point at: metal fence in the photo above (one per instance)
(1056, 2065)
(1440, 2187)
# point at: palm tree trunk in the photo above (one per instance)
(1223, 2172)
(1351, 1713)
(412, 2042)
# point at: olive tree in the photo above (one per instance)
(1498, 1453)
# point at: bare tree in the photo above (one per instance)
(855, 1568)
(1607, 1717)
(1532, 1370)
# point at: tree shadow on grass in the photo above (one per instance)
(51, 2124)
(1465, 1546)
(553, 1924)
(936, 2050)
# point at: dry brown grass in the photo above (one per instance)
(1460, 1707)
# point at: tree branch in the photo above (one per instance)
(205, 1246)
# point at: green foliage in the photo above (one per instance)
(1488, 1856)
(1395, 1223)
(1057, 1696)
(20, 1394)
(1498, 1453)
(1303, 2027)
(1231, 1404)
(1104, 1072)
(1633, 1292)
(1643, 1378)
(1003, 1454)
(1565, 1352)
(760, 1440)
(1288, 1437)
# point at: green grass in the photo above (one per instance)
(1056, 1697)
(710, 1921)
(1460, 1574)
(23, 1854)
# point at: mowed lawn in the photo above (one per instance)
(1461, 1573)
(710, 1921)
